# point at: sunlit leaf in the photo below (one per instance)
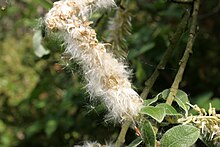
(181, 98)
(165, 93)
(180, 136)
(169, 109)
(155, 112)
(148, 102)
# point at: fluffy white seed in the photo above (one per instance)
(106, 77)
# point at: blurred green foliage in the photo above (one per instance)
(43, 101)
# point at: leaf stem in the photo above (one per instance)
(187, 53)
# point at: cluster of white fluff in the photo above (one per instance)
(107, 78)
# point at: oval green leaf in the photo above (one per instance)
(181, 98)
(168, 109)
(180, 136)
(51, 127)
(164, 94)
(156, 113)
(148, 102)
(148, 133)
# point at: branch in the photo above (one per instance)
(173, 42)
(188, 51)
(121, 137)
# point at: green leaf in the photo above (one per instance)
(202, 99)
(155, 112)
(135, 53)
(168, 109)
(34, 128)
(215, 103)
(181, 98)
(40, 104)
(140, 72)
(149, 135)
(171, 114)
(51, 126)
(180, 136)
(135, 142)
(165, 93)
(150, 101)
